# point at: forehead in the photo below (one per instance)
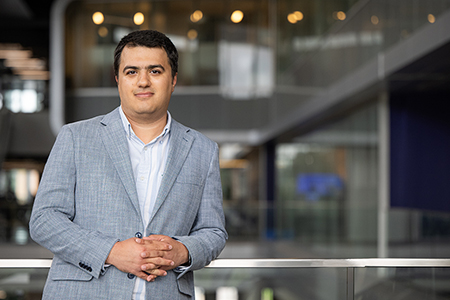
(143, 55)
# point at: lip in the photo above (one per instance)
(144, 94)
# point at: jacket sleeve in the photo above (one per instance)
(51, 223)
(208, 235)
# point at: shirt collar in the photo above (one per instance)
(130, 132)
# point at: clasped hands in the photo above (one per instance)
(149, 257)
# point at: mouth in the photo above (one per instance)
(144, 94)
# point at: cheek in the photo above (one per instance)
(125, 86)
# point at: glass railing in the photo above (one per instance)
(286, 279)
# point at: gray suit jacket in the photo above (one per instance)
(87, 201)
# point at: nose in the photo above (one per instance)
(144, 79)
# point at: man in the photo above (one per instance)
(130, 203)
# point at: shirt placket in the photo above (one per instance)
(143, 179)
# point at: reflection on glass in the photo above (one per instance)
(239, 174)
(227, 293)
(26, 100)
(22, 283)
(33, 181)
(199, 293)
(281, 283)
(18, 187)
(21, 235)
(238, 63)
(402, 283)
(21, 186)
(327, 185)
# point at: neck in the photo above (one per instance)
(147, 131)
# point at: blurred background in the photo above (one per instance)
(331, 115)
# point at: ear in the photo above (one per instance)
(174, 82)
(117, 79)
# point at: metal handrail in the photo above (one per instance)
(277, 263)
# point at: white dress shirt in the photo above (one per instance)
(148, 162)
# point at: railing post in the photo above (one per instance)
(350, 283)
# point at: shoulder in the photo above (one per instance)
(85, 123)
(88, 126)
(187, 132)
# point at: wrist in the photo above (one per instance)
(185, 258)
(110, 259)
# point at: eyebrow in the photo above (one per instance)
(149, 67)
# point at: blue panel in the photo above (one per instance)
(315, 186)
(420, 152)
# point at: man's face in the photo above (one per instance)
(145, 83)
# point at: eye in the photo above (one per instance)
(130, 72)
(155, 71)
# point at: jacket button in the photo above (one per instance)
(131, 276)
(138, 235)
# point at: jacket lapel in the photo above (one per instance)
(114, 139)
(180, 145)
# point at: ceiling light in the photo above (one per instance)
(138, 18)
(298, 15)
(196, 16)
(431, 18)
(98, 18)
(192, 34)
(237, 16)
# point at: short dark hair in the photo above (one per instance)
(150, 39)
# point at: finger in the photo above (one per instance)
(152, 254)
(146, 276)
(157, 263)
(155, 272)
(152, 238)
(156, 237)
(154, 244)
(150, 251)
(150, 277)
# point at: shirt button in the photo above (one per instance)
(138, 235)
(131, 276)
(141, 178)
(145, 148)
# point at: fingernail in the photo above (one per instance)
(138, 241)
(144, 267)
(172, 263)
(170, 246)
